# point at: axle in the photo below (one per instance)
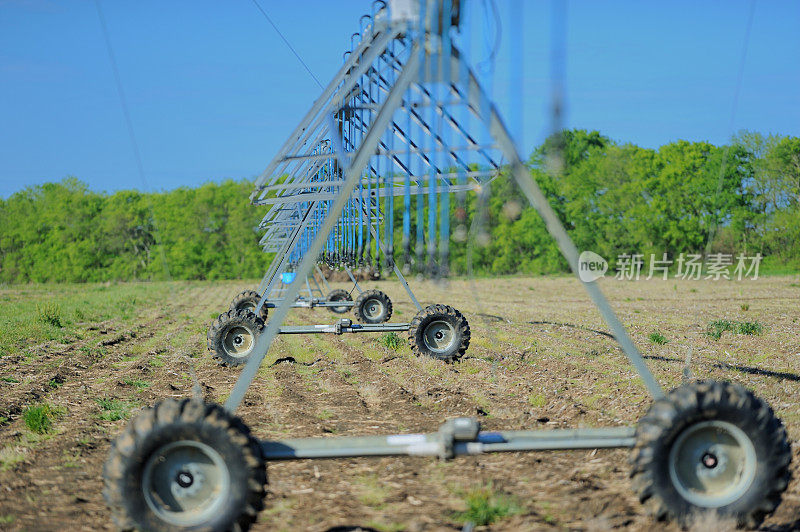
(344, 326)
(458, 436)
(310, 303)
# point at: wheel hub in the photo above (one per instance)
(373, 308)
(238, 341)
(709, 460)
(712, 463)
(439, 336)
(184, 479)
(185, 482)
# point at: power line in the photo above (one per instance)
(742, 60)
(732, 123)
(129, 124)
(287, 43)
(121, 94)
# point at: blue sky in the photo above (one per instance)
(213, 91)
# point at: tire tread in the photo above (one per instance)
(249, 296)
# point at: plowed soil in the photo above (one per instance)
(539, 358)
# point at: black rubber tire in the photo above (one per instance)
(221, 327)
(687, 406)
(339, 295)
(439, 313)
(248, 300)
(180, 420)
(366, 300)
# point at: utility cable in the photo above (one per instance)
(131, 134)
(288, 44)
(734, 106)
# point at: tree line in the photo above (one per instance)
(614, 198)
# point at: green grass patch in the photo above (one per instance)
(11, 456)
(325, 414)
(382, 526)
(537, 400)
(139, 384)
(750, 328)
(40, 418)
(371, 492)
(745, 306)
(12, 380)
(93, 353)
(49, 312)
(717, 327)
(470, 369)
(36, 313)
(114, 409)
(657, 338)
(485, 506)
(348, 376)
(391, 340)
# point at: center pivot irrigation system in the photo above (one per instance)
(423, 155)
(385, 127)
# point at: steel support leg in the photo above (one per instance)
(308, 287)
(316, 284)
(324, 280)
(399, 274)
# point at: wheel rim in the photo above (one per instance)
(185, 483)
(238, 341)
(712, 463)
(372, 309)
(439, 336)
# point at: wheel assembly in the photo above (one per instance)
(185, 465)
(711, 447)
(339, 295)
(232, 336)
(248, 300)
(439, 331)
(373, 306)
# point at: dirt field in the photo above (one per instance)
(535, 361)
